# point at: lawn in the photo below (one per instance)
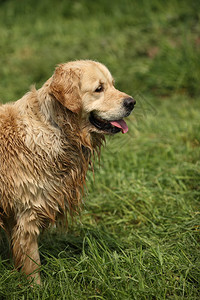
(138, 234)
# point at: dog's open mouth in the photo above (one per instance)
(112, 127)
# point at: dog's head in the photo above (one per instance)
(87, 88)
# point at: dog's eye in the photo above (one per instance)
(99, 89)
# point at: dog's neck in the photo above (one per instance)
(67, 122)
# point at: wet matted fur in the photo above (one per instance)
(47, 139)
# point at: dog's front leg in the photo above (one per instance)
(25, 246)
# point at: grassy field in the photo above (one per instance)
(138, 236)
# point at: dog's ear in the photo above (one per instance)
(65, 87)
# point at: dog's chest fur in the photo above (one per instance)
(42, 167)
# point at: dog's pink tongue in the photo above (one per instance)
(120, 124)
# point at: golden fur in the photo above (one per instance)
(46, 144)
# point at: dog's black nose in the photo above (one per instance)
(129, 103)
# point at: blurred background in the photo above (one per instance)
(150, 46)
(138, 237)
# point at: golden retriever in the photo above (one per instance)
(47, 139)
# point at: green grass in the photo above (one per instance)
(138, 236)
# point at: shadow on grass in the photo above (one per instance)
(4, 246)
(55, 243)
